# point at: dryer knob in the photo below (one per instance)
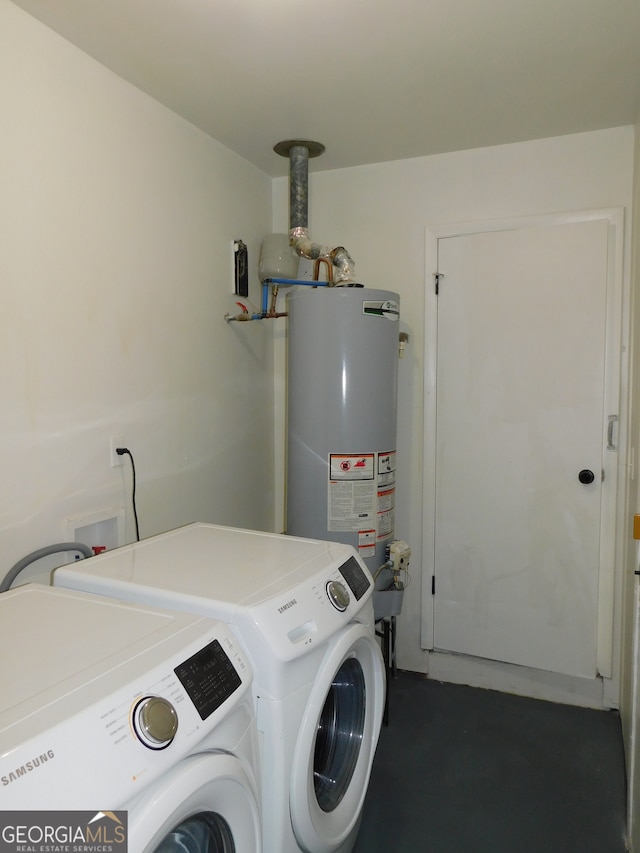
(338, 595)
(155, 722)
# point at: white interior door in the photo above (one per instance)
(521, 354)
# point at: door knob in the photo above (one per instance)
(586, 476)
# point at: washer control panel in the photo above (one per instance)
(209, 677)
(310, 610)
(358, 580)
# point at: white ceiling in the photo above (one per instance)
(373, 80)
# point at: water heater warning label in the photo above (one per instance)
(361, 496)
(351, 466)
(367, 543)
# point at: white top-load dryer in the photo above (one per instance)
(302, 610)
(130, 714)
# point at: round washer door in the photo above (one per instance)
(337, 741)
(206, 805)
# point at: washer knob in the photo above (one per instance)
(155, 722)
(338, 595)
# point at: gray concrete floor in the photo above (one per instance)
(462, 770)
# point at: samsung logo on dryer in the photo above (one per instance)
(287, 605)
(27, 767)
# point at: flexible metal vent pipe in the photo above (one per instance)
(298, 151)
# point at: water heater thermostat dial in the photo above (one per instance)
(338, 595)
(155, 722)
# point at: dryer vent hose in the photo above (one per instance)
(57, 548)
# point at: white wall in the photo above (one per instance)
(379, 213)
(116, 224)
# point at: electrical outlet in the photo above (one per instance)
(116, 441)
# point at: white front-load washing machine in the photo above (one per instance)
(110, 707)
(302, 610)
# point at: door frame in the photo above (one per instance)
(615, 402)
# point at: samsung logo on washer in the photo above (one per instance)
(287, 605)
(21, 771)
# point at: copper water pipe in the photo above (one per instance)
(316, 269)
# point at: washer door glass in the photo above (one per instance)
(206, 832)
(339, 735)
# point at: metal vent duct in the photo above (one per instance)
(299, 151)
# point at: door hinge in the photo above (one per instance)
(437, 276)
(433, 584)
